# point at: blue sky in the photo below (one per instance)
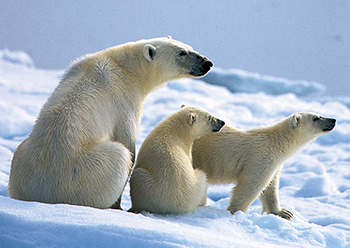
(293, 39)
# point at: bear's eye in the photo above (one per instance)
(183, 53)
(209, 119)
(316, 118)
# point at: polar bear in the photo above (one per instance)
(82, 146)
(252, 159)
(164, 181)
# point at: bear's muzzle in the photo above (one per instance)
(203, 65)
(329, 124)
(218, 125)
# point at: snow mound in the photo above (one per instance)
(10, 124)
(316, 186)
(242, 81)
(16, 57)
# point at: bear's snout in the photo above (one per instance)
(207, 65)
(202, 65)
(329, 124)
(202, 69)
(218, 125)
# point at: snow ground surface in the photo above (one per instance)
(314, 183)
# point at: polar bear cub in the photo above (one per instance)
(164, 180)
(81, 149)
(252, 159)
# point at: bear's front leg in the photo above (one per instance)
(202, 186)
(117, 204)
(270, 202)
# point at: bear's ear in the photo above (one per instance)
(183, 106)
(296, 120)
(149, 52)
(192, 118)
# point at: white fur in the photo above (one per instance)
(164, 180)
(82, 146)
(252, 159)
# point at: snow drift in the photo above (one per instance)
(314, 183)
(242, 81)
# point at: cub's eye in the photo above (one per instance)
(183, 53)
(316, 118)
(210, 118)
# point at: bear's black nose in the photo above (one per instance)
(207, 65)
(330, 125)
(219, 125)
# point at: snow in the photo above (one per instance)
(314, 183)
(242, 81)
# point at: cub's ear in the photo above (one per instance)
(183, 105)
(192, 118)
(149, 52)
(296, 120)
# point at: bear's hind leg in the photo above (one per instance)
(243, 194)
(142, 193)
(104, 171)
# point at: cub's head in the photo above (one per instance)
(200, 121)
(311, 125)
(174, 59)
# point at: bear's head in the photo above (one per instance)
(200, 122)
(311, 125)
(173, 59)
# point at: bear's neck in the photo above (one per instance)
(285, 139)
(144, 78)
(178, 135)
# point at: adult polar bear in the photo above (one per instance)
(252, 159)
(82, 146)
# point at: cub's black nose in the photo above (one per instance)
(222, 123)
(219, 125)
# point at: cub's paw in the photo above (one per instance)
(285, 213)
